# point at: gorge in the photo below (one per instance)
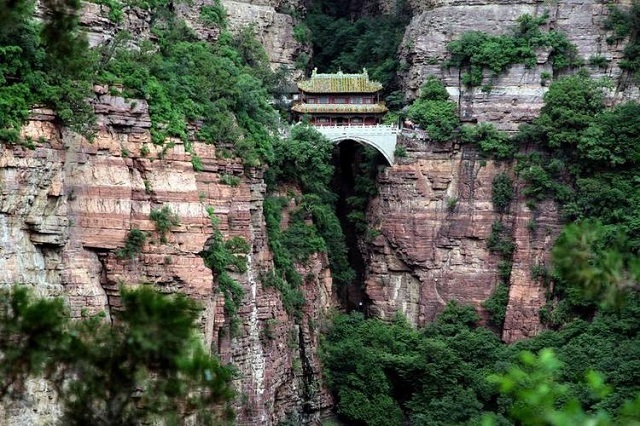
(423, 233)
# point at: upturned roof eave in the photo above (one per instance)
(334, 109)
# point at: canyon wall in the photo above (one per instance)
(434, 216)
(67, 206)
(273, 23)
(434, 209)
(515, 97)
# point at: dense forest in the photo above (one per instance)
(580, 152)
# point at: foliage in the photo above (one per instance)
(428, 376)
(223, 86)
(131, 372)
(384, 373)
(164, 220)
(433, 90)
(400, 152)
(500, 240)
(304, 159)
(624, 23)
(229, 179)
(364, 188)
(590, 268)
(570, 104)
(540, 399)
(292, 297)
(542, 176)
(133, 245)
(477, 51)
(224, 257)
(501, 192)
(214, 14)
(45, 63)
(434, 112)
(32, 333)
(609, 344)
(196, 162)
(490, 141)
(496, 304)
(341, 43)
(285, 277)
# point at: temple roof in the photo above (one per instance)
(340, 108)
(339, 83)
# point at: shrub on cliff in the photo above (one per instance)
(491, 142)
(434, 112)
(476, 51)
(304, 160)
(43, 62)
(130, 372)
(164, 220)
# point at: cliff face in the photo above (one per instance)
(434, 211)
(515, 96)
(273, 24)
(66, 207)
(434, 214)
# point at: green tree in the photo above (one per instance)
(570, 105)
(130, 372)
(434, 112)
(540, 399)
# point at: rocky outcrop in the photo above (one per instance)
(67, 206)
(514, 97)
(434, 215)
(272, 27)
(272, 23)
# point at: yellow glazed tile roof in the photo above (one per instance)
(339, 83)
(340, 108)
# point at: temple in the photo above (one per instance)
(340, 100)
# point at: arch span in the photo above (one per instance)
(382, 138)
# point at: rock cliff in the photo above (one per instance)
(434, 211)
(67, 206)
(434, 214)
(273, 24)
(516, 95)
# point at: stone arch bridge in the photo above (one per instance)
(381, 137)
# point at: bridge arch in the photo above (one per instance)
(364, 141)
(382, 138)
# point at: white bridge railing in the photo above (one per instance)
(360, 130)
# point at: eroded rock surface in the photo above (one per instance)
(434, 214)
(514, 97)
(66, 208)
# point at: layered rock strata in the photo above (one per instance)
(434, 214)
(66, 208)
(514, 97)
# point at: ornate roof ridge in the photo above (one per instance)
(339, 83)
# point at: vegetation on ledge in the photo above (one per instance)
(476, 51)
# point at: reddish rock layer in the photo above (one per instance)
(66, 208)
(435, 214)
